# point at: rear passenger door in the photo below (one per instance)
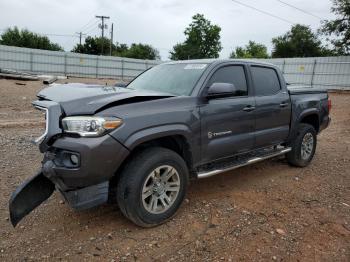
(273, 107)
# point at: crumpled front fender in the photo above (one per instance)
(28, 196)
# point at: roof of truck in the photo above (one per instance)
(219, 61)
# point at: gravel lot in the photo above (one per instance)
(268, 211)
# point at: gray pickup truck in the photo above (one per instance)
(140, 144)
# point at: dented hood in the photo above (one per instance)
(86, 99)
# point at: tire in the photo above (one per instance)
(301, 155)
(148, 170)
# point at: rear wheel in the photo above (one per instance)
(303, 146)
(152, 186)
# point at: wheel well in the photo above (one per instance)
(312, 120)
(177, 143)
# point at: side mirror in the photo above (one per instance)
(121, 85)
(217, 90)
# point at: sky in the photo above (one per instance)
(161, 23)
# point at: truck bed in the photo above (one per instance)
(299, 90)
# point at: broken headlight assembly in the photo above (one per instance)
(90, 126)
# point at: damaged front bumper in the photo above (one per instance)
(84, 182)
(28, 196)
(37, 189)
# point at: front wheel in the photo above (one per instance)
(152, 186)
(303, 146)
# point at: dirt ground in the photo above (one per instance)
(267, 211)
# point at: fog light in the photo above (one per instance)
(74, 159)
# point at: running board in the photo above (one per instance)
(205, 174)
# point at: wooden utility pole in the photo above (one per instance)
(111, 42)
(103, 26)
(80, 36)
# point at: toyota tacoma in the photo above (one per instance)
(140, 144)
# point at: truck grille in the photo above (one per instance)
(46, 114)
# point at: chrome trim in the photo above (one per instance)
(248, 162)
(41, 138)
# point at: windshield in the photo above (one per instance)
(177, 79)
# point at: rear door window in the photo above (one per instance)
(265, 80)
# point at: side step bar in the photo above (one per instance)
(241, 164)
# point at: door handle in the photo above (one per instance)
(249, 108)
(283, 104)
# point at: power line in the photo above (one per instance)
(92, 26)
(63, 35)
(299, 9)
(88, 27)
(263, 12)
(84, 27)
(91, 30)
(83, 30)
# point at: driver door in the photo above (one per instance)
(228, 123)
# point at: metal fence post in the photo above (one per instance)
(313, 72)
(122, 69)
(283, 65)
(65, 64)
(96, 66)
(146, 64)
(31, 61)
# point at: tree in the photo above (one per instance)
(251, 50)
(340, 27)
(25, 38)
(300, 41)
(141, 51)
(121, 50)
(93, 46)
(202, 41)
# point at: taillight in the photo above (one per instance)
(329, 105)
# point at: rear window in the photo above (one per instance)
(265, 80)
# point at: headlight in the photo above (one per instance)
(91, 126)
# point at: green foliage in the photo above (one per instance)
(141, 51)
(25, 38)
(202, 41)
(121, 50)
(93, 46)
(340, 27)
(252, 50)
(300, 41)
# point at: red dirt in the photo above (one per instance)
(267, 211)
